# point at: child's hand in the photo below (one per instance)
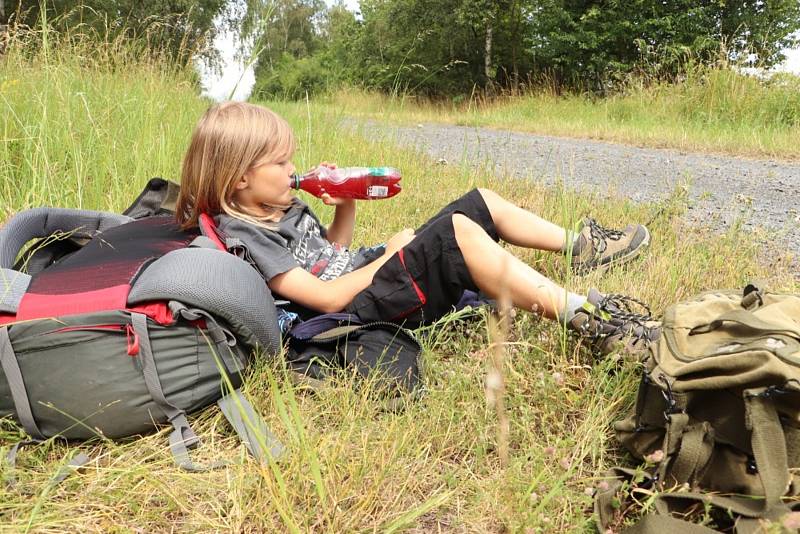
(326, 198)
(399, 240)
(335, 201)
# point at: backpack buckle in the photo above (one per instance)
(669, 398)
(752, 298)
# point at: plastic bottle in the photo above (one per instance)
(363, 183)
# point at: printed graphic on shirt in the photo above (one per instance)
(316, 255)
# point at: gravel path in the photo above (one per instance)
(762, 193)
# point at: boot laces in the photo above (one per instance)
(600, 234)
(623, 309)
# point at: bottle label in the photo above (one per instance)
(378, 191)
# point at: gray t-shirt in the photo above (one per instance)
(298, 241)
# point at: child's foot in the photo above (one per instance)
(597, 247)
(609, 323)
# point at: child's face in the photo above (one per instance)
(267, 183)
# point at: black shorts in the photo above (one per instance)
(426, 278)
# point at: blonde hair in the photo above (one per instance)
(230, 139)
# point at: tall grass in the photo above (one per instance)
(83, 126)
(714, 109)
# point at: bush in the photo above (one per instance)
(292, 79)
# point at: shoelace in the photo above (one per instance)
(621, 307)
(601, 234)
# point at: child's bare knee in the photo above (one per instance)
(488, 195)
(464, 226)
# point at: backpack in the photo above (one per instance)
(386, 353)
(126, 324)
(717, 416)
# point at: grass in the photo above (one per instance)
(714, 110)
(82, 127)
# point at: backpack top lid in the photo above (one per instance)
(99, 276)
(721, 339)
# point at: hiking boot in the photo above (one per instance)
(609, 323)
(598, 247)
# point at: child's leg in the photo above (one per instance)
(608, 321)
(452, 253)
(492, 267)
(503, 220)
(521, 227)
(592, 247)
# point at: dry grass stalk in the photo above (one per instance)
(495, 378)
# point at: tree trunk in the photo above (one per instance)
(487, 58)
(3, 28)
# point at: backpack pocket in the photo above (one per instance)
(83, 375)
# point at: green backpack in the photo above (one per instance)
(717, 417)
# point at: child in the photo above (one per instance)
(238, 169)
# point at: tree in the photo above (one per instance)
(181, 28)
(451, 47)
(592, 43)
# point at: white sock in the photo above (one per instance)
(573, 303)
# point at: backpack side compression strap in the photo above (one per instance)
(182, 436)
(17, 385)
(250, 427)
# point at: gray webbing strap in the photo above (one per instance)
(218, 334)
(79, 460)
(183, 436)
(17, 386)
(250, 427)
(11, 460)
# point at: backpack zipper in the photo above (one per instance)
(132, 338)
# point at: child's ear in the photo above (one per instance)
(242, 183)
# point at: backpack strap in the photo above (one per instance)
(250, 427)
(209, 229)
(182, 437)
(693, 452)
(13, 285)
(17, 386)
(747, 510)
(769, 449)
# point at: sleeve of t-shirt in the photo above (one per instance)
(266, 248)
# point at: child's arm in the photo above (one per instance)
(302, 287)
(344, 220)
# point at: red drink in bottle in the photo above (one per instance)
(363, 183)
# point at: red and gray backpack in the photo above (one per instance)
(110, 326)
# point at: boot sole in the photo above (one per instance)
(619, 260)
